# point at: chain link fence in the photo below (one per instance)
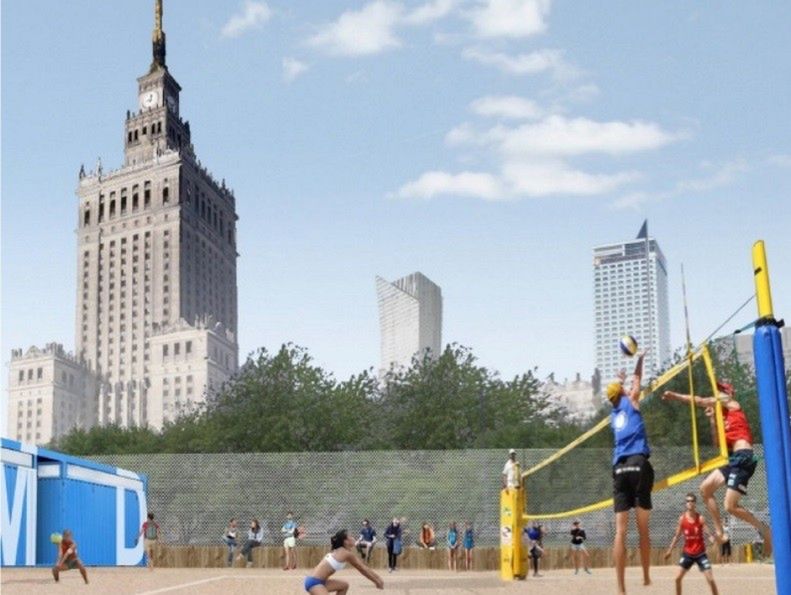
(194, 495)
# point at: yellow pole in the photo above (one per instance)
(763, 293)
(512, 505)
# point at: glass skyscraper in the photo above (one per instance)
(630, 298)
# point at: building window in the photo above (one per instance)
(39, 373)
(177, 349)
(164, 351)
(188, 347)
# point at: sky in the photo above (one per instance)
(489, 144)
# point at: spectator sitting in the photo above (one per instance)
(365, 543)
(230, 538)
(427, 539)
(255, 535)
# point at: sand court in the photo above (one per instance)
(756, 579)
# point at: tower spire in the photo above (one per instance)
(158, 38)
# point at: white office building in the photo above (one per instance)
(410, 319)
(630, 298)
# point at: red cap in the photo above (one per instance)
(725, 387)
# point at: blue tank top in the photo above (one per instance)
(628, 430)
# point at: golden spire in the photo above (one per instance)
(157, 20)
(158, 38)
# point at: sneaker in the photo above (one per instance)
(576, 571)
(588, 571)
(389, 570)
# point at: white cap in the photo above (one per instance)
(512, 451)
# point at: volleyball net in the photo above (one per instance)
(577, 479)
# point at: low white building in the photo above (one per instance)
(189, 363)
(49, 393)
(577, 396)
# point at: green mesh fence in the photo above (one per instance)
(194, 495)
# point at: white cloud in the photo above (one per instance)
(506, 106)
(364, 32)
(430, 12)
(434, 183)
(509, 18)
(547, 60)
(534, 158)
(253, 15)
(560, 136)
(722, 175)
(545, 177)
(292, 68)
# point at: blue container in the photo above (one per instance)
(45, 492)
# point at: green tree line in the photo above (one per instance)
(283, 402)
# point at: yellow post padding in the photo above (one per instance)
(763, 293)
(512, 505)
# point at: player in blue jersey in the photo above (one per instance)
(633, 476)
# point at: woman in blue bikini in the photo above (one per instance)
(319, 581)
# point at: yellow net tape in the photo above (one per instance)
(718, 455)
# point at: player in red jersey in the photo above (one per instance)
(692, 526)
(741, 461)
(67, 557)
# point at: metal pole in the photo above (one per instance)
(773, 405)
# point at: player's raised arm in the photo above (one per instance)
(637, 378)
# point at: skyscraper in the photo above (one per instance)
(156, 312)
(410, 319)
(630, 297)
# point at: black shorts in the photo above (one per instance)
(740, 468)
(632, 482)
(702, 560)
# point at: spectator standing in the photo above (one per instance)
(289, 531)
(255, 535)
(150, 533)
(510, 479)
(428, 539)
(393, 535)
(535, 535)
(365, 542)
(453, 546)
(578, 549)
(230, 538)
(469, 544)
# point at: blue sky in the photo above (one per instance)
(489, 144)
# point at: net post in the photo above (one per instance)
(512, 506)
(773, 407)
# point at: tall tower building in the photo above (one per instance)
(156, 314)
(410, 319)
(630, 297)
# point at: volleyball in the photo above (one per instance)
(628, 345)
(55, 537)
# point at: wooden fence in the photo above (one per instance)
(484, 558)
